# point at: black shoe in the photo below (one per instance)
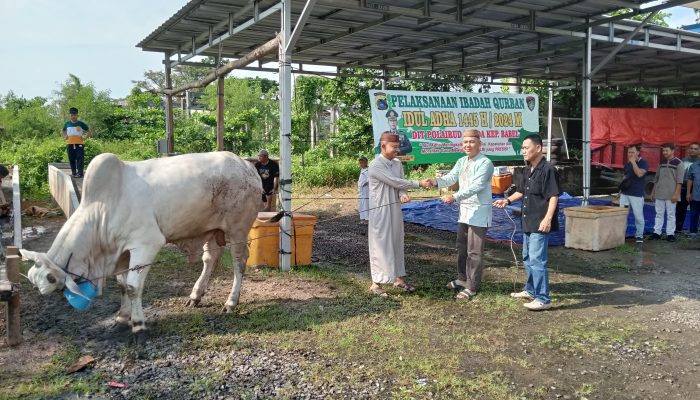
(671, 238)
(639, 240)
(654, 236)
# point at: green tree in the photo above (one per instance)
(308, 108)
(251, 117)
(26, 118)
(180, 75)
(95, 106)
(658, 19)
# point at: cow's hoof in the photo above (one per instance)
(119, 326)
(228, 309)
(140, 337)
(192, 302)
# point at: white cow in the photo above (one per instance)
(129, 210)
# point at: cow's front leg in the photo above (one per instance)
(210, 257)
(139, 265)
(239, 256)
(124, 314)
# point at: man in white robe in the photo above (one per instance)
(363, 191)
(387, 189)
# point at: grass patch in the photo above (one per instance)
(626, 248)
(586, 336)
(585, 389)
(618, 265)
(50, 380)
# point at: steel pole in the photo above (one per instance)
(549, 122)
(285, 183)
(586, 93)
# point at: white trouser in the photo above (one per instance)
(665, 207)
(637, 206)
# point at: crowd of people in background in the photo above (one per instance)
(675, 189)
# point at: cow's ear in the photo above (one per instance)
(29, 255)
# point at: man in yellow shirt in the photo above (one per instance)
(74, 133)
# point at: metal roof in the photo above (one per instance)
(533, 39)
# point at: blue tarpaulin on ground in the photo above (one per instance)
(435, 214)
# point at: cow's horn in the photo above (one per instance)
(73, 287)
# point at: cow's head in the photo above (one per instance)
(46, 275)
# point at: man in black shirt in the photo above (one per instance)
(269, 173)
(539, 190)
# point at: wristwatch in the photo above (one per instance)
(508, 200)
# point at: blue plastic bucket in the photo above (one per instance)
(77, 301)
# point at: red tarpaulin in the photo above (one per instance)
(654, 126)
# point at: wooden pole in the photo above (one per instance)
(169, 120)
(256, 54)
(12, 251)
(220, 115)
(14, 331)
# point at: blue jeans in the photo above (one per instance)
(535, 260)
(694, 215)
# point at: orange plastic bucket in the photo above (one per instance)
(500, 183)
(264, 240)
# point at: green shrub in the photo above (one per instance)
(129, 150)
(33, 157)
(334, 172)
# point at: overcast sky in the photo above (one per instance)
(45, 40)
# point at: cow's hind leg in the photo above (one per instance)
(239, 256)
(212, 250)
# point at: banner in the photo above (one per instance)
(430, 124)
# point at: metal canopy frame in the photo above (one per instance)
(498, 39)
(552, 40)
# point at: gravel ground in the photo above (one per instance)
(170, 367)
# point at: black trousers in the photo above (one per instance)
(76, 157)
(681, 208)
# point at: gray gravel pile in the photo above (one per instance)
(687, 315)
(166, 370)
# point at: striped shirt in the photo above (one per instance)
(669, 174)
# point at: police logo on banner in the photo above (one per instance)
(381, 101)
(530, 100)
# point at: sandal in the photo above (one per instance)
(405, 287)
(454, 285)
(465, 294)
(377, 291)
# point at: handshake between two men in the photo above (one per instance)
(431, 184)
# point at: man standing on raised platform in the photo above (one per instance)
(74, 133)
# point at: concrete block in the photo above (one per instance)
(595, 227)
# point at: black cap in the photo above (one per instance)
(392, 114)
(73, 110)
